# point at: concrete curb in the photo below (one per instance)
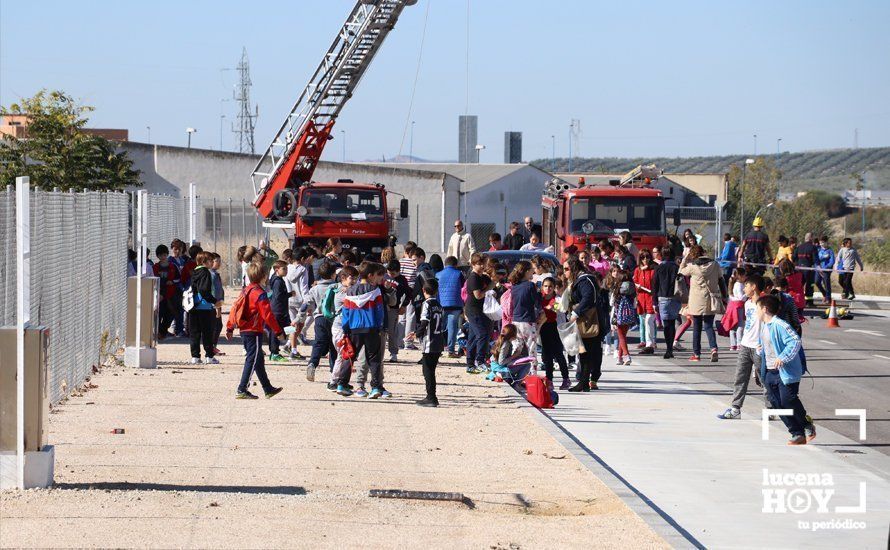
(656, 518)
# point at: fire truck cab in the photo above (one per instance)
(582, 215)
(355, 212)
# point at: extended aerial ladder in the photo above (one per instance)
(291, 158)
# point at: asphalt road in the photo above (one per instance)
(849, 368)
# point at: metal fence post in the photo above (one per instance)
(244, 221)
(192, 213)
(232, 259)
(213, 226)
(23, 312)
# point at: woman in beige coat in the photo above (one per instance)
(707, 292)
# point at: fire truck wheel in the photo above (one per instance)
(285, 205)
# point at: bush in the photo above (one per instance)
(876, 253)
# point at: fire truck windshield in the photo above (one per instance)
(344, 204)
(607, 214)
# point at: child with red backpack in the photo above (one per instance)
(250, 313)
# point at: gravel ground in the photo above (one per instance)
(196, 468)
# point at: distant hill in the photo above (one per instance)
(828, 170)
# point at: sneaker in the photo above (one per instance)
(217, 351)
(385, 394)
(619, 360)
(798, 440)
(668, 355)
(361, 392)
(566, 384)
(211, 361)
(593, 385)
(810, 431)
(310, 373)
(245, 395)
(852, 297)
(473, 370)
(332, 387)
(410, 346)
(344, 391)
(647, 351)
(375, 393)
(579, 387)
(393, 358)
(276, 358)
(627, 361)
(196, 360)
(678, 346)
(296, 356)
(730, 414)
(286, 348)
(428, 402)
(694, 358)
(273, 392)
(713, 356)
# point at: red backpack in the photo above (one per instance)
(239, 315)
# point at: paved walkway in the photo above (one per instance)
(654, 426)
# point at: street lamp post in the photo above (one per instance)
(221, 118)
(742, 199)
(149, 133)
(190, 131)
(479, 149)
(778, 151)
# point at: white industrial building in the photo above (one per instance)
(486, 197)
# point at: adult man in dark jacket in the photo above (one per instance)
(806, 253)
(514, 239)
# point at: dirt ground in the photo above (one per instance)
(196, 468)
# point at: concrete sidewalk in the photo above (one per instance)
(196, 468)
(654, 426)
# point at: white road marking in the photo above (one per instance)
(881, 356)
(869, 332)
(829, 342)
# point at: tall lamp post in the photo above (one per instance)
(411, 144)
(221, 118)
(343, 135)
(479, 149)
(149, 133)
(190, 131)
(742, 199)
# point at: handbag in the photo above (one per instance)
(491, 307)
(589, 324)
(681, 289)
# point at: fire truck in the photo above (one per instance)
(286, 195)
(582, 215)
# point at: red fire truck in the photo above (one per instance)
(286, 196)
(583, 215)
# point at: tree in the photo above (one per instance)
(57, 152)
(759, 189)
(806, 214)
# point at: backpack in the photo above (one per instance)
(238, 314)
(327, 303)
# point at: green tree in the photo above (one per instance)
(760, 185)
(799, 217)
(57, 152)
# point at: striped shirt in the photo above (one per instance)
(409, 270)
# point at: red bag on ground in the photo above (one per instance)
(537, 392)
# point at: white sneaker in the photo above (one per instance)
(196, 360)
(618, 360)
(211, 361)
(627, 361)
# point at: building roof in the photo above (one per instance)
(473, 176)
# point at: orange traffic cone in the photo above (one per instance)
(832, 316)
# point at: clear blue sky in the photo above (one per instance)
(650, 78)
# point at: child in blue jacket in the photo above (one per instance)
(781, 369)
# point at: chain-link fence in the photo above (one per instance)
(702, 220)
(78, 277)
